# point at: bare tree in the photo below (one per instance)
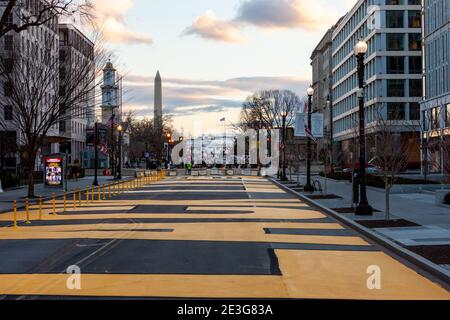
(41, 96)
(20, 15)
(392, 142)
(145, 137)
(263, 110)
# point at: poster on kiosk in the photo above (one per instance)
(54, 171)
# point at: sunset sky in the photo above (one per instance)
(213, 53)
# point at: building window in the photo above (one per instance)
(427, 120)
(8, 113)
(415, 65)
(396, 88)
(394, 42)
(8, 64)
(62, 126)
(447, 118)
(435, 119)
(415, 41)
(414, 111)
(7, 89)
(62, 55)
(396, 111)
(394, 19)
(415, 87)
(414, 19)
(9, 42)
(395, 65)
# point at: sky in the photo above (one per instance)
(212, 54)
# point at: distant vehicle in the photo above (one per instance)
(371, 169)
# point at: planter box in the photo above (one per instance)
(440, 196)
(230, 172)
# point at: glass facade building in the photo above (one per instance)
(435, 109)
(393, 68)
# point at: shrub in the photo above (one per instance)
(10, 180)
(338, 176)
(447, 199)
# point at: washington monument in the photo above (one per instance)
(158, 114)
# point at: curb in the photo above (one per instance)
(437, 273)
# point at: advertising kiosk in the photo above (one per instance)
(54, 171)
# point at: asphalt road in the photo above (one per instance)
(198, 238)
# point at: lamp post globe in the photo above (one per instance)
(361, 47)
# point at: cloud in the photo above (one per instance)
(110, 17)
(308, 15)
(182, 97)
(305, 14)
(210, 27)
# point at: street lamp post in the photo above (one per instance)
(363, 209)
(147, 156)
(309, 187)
(331, 134)
(119, 169)
(95, 183)
(113, 145)
(283, 154)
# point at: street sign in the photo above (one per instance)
(54, 171)
(301, 124)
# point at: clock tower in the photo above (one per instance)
(110, 94)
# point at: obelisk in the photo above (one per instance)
(158, 114)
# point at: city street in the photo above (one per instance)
(198, 237)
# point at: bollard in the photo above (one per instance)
(99, 194)
(109, 191)
(65, 201)
(40, 208)
(79, 198)
(54, 203)
(87, 195)
(92, 194)
(27, 210)
(75, 200)
(15, 214)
